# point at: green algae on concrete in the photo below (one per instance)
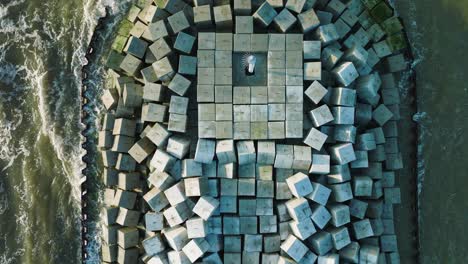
(392, 25)
(381, 12)
(114, 60)
(397, 42)
(124, 28)
(119, 43)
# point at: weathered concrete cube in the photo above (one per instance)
(339, 174)
(241, 95)
(127, 217)
(362, 229)
(308, 21)
(315, 139)
(136, 47)
(187, 65)
(341, 192)
(202, 16)
(284, 20)
(177, 214)
(327, 34)
(350, 252)
(225, 151)
(266, 152)
(152, 92)
(299, 184)
(130, 64)
(345, 73)
(312, 71)
(196, 227)
(178, 22)
(206, 40)
(321, 115)
(205, 150)
(294, 248)
(265, 14)
(242, 113)
(179, 84)
(295, 5)
(195, 249)
(321, 242)
(362, 186)
(127, 237)
(320, 193)
(177, 123)
(312, 50)
(176, 193)
(303, 229)
(158, 135)
(340, 214)
(160, 48)
(342, 153)
(244, 24)
(320, 164)
(320, 216)
(223, 16)
(176, 237)
(259, 42)
(382, 115)
(299, 209)
(316, 92)
(153, 245)
(284, 156)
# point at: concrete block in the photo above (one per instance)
(269, 258)
(294, 248)
(178, 105)
(124, 199)
(202, 16)
(362, 186)
(195, 249)
(264, 206)
(327, 34)
(191, 168)
(197, 186)
(320, 216)
(345, 73)
(176, 193)
(321, 115)
(125, 163)
(242, 7)
(315, 139)
(177, 123)
(266, 152)
(362, 229)
(232, 244)
(176, 237)
(271, 243)
(299, 184)
(223, 16)
(321, 242)
(339, 214)
(130, 64)
(382, 114)
(312, 71)
(343, 96)
(302, 158)
(302, 229)
(228, 204)
(316, 92)
(265, 189)
(282, 191)
(299, 209)
(177, 214)
(158, 135)
(350, 252)
(244, 24)
(342, 192)
(154, 221)
(153, 245)
(259, 42)
(339, 174)
(179, 84)
(265, 14)
(178, 22)
(284, 20)
(127, 237)
(152, 92)
(160, 49)
(312, 50)
(153, 112)
(127, 217)
(178, 146)
(226, 170)
(205, 150)
(284, 156)
(342, 153)
(259, 130)
(242, 113)
(330, 56)
(225, 151)
(187, 65)
(276, 112)
(294, 76)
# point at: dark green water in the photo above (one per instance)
(42, 48)
(438, 31)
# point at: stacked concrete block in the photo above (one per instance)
(265, 14)
(235, 198)
(223, 16)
